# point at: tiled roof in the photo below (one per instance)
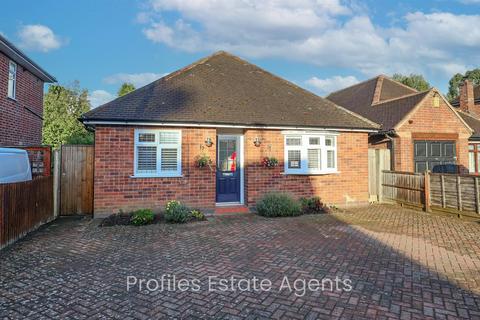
(395, 100)
(224, 89)
(473, 123)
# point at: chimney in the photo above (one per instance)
(378, 89)
(466, 99)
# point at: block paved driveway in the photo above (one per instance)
(402, 264)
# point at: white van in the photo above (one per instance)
(14, 165)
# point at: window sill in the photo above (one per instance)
(137, 176)
(310, 173)
(12, 99)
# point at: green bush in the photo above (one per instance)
(175, 212)
(278, 205)
(197, 215)
(313, 205)
(142, 217)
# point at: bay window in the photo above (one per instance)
(158, 153)
(310, 153)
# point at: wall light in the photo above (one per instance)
(208, 142)
(257, 142)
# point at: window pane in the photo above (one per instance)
(169, 159)
(435, 149)
(314, 159)
(330, 159)
(476, 170)
(147, 159)
(471, 147)
(294, 159)
(314, 141)
(169, 137)
(330, 141)
(294, 141)
(146, 137)
(420, 149)
(471, 162)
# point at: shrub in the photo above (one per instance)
(313, 205)
(278, 205)
(142, 217)
(197, 215)
(175, 212)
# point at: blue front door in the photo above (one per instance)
(228, 169)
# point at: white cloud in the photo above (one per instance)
(323, 33)
(328, 85)
(137, 79)
(99, 97)
(39, 38)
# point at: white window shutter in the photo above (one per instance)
(146, 159)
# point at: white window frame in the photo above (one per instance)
(159, 173)
(303, 148)
(12, 80)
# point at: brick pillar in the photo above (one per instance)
(466, 99)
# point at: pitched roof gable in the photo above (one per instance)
(472, 122)
(224, 89)
(379, 99)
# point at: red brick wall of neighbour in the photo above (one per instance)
(430, 123)
(115, 189)
(18, 126)
(350, 185)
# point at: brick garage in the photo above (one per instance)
(406, 116)
(21, 118)
(116, 189)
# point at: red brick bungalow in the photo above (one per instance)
(468, 106)
(21, 97)
(422, 130)
(147, 142)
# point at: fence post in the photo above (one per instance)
(459, 194)
(427, 190)
(56, 183)
(477, 196)
(444, 200)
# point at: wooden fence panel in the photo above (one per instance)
(76, 185)
(455, 193)
(378, 160)
(404, 187)
(24, 206)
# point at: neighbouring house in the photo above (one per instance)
(468, 106)
(21, 97)
(148, 142)
(421, 129)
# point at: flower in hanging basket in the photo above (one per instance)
(270, 162)
(204, 161)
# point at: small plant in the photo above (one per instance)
(270, 162)
(278, 205)
(313, 205)
(142, 217)
(175, 212)
(197, 215)
(204, 161)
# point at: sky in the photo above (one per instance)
(321, 45)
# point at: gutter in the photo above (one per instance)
(206, 125)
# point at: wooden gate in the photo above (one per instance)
(378, 160)
(76, 185)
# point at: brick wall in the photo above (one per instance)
(115, 189)
(18, 126)
(430, 123)
(350, 185)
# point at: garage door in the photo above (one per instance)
(436, 156)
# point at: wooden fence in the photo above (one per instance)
(76, 183)
(378, 160)
(404, 187)
(24, 206)
(454, 193)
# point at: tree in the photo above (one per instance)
(125, 88)
(457, 80)
(415, 81)
(62, 108)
